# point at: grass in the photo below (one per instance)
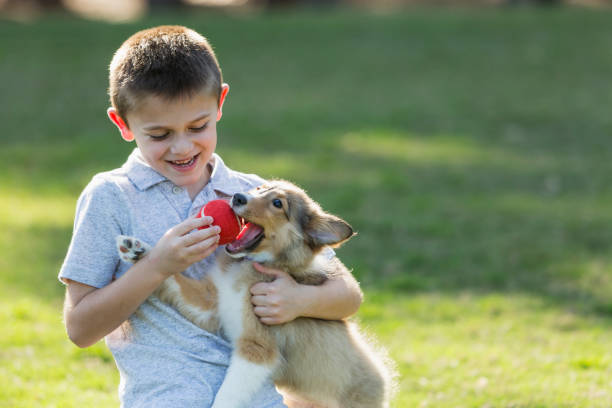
(469, 148)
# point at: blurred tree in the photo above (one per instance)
(282, 3)
(47, 4)
(539, 2)
(166, 3)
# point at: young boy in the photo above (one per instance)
(167, 94)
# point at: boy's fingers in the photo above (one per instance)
(259, 300)
(277, 273)
(259, 289)
(190, 224)
(205, 247)
(196, 237)
(263, 311)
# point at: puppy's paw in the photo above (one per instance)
(131, 249)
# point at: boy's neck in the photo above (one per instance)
(194, 189)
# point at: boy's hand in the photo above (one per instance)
(183, 245)
(279, 301)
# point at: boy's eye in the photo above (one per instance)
(277, 203)
(160, 137)
(199, 129)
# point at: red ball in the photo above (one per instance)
(224, 217)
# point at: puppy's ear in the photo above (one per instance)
(327, 229)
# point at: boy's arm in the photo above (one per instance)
(284, 299)
(91, 313)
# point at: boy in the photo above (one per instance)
(167, 94)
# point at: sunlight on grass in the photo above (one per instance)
(285, 165)
(544, 201)
(447, 150)
(42, 365)
(488, 349)
(54, 168)
(34, 237)
(21, 208)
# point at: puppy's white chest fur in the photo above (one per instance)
(231, 300)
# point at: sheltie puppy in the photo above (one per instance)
(329, 363)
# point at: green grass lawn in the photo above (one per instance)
(469, 148)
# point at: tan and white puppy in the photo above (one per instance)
(327, 362)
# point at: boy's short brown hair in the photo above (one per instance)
(167, 61)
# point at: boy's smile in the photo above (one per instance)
(177, 137)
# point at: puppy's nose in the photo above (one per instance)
(238, 200)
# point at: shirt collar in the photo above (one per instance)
(144, 176)
(140, 173)
(222, 179)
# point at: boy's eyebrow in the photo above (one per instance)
(155, 127)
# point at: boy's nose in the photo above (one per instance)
(182, 144)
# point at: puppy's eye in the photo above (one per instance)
(277, 203)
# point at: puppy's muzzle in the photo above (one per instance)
(238, 200)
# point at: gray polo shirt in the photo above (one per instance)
(163, 359)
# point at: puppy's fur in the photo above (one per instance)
(326, 362)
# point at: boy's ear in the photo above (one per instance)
(224, 91)
(126, 133)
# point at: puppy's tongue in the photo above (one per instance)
(247, 236)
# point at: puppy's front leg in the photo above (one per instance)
(131, 249)
(254, 359)
(242, 381)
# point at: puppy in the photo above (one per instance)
(327, 362)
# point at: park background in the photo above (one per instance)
(469, 146)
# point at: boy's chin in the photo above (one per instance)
(188, 181)
(185, 181)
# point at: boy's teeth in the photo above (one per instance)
(183, 161)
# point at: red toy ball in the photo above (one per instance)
(224, 217)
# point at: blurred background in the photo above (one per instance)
(468, 143)
(125, 10)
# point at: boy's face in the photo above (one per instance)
(177, 137)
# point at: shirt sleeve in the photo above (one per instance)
(92, 258)
(250, 181)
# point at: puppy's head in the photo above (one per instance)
(284, 225)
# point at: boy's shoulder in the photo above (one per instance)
(109, 187)
(230, 181)
(103, 193)
(133, 173)
(106, 181)
(248, 179)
